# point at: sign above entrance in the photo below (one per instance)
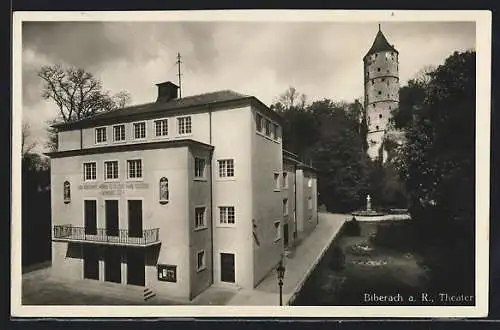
(114, 188)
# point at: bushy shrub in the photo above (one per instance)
(352, 228)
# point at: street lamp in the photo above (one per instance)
(280, 270)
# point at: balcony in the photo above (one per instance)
(122, 237)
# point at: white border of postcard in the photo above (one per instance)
(483, 87)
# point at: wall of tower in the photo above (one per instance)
(381, 95)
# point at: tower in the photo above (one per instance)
(381, 71)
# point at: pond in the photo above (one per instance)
(359, 271)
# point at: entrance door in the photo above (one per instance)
(112, 265)
(285, 234)
(91, 263)
(135, 218)
(136, 267)
(90, 217)
(227, 267)
(112, 225)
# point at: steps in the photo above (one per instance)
(148, 294)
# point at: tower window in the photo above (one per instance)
(383, 79)
(380, 116)
(376, 127)
(378, 69)
(373, 81)
(389, 107)
(379, 93)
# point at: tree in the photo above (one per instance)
(339, 156)
(26, 147)
(77, 95)
(437, 162)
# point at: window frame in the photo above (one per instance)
(227, 223)
(179, 125)
(276, 181)
(128, 169)
(124, 133)
(226, 177)
(278, 228)
(104, 172)
(160, 120)
(286, 206)
(204, 175)
(85, 172)
(204, 261)
(204, 224)
(285, 180)
(97, 129)
(145, 130)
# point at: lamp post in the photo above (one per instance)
(280, 270)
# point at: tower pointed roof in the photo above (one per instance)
(380, 44)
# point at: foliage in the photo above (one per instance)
(328, 133)
(437, 162)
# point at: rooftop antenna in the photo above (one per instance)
(179, 73)
(379, 26)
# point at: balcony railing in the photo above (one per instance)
(71, 233)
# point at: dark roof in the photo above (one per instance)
(380, 44)
(152, 108)
(129, 147)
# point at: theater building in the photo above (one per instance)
(178, 194)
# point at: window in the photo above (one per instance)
(310, 183)
(67, 192)
(200, 256)
(275, 131)
(226, 215)
(184, 125)
(378, 69)
(140, 130)
(199, 217)
(376, 127)
(258, 122)
(380, 116)
(161, 127)
(379, 93)
(268, 128)
(89, 171)
(164, 194)
(100, 135)
(309, 203)
(111, 170)
(276, 181)
(167, 273)
(277, 227)
(119, 133)
(199, 168)
(285, 206)
(285, 180)
(134, 169)
(226, 168)
(383, 79)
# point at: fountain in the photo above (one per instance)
(368, 211)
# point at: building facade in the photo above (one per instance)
(178, 194)
(381, 83)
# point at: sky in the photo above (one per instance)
(263, 59)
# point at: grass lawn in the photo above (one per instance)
(383, 265)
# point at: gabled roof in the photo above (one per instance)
(162, 108)
(380, 44)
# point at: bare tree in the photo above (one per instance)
(25, 146)
(77, 93)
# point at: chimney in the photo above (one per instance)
(167, 91)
